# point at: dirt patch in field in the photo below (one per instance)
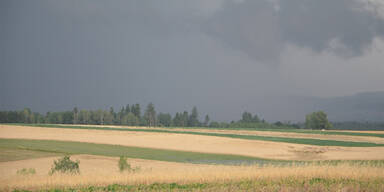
(195, 143)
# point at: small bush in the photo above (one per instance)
(124, 166)
(65, 165)
(24, 171)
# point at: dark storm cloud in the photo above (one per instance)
(261, 28)
(250, 26)
(214, 54)
(315, 24)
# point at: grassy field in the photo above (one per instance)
(164, 169)
(13, 154)
(216, 178)
(29, 149)
(307, 141)
(68, 147)
(306, 131)
(287, 184)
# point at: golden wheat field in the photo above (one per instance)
(269, 133)
(199, 143)
(98, 171)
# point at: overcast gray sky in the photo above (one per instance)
(223, 56)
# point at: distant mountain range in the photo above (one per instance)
(361, 107)
(367, 106)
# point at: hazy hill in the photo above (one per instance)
(367, 106)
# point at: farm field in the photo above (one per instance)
(179, 159)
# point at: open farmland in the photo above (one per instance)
(197, 159)
(286, 148)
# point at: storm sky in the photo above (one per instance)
(222, 56)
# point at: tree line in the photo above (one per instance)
(132, 115)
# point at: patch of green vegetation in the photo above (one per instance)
(65, 165)
(125, 166)
(13, 154)
(69, 147)
(284, 184)
(307, 141)
(25, 171)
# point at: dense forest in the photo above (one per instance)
(132, 115)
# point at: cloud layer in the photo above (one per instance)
(222, 56)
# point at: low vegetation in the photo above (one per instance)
(262, 185)
(25, 171)
(65, 165)
(125, 166)
(342, 177)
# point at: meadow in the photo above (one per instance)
(179, 159)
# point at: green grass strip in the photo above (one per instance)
(70, 147)
(288, 130)
(306, 141)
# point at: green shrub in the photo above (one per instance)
(65, 165)
(124, 166)
(25, 171)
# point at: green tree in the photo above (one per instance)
(176, 122)
(32, 118)
(193, 120)
(255, 119)
(206, 121)
(75, 115)
(246, 117)
(150, 115)
(108, 117)
(127, 109)
(135, 109)
(120, 116)
(67, 117)
(214, 124)
(317, 120)
(131, 119)
(184, 119)
(84, 117)
(26, 115)
(164, 119)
